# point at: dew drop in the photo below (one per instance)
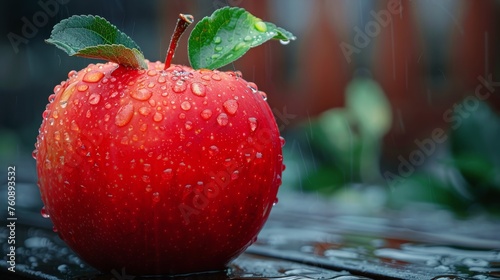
(258, 155)
(143, 127)
(215, 56)
(253, 123)
(141, 94)
(152, 73)
(185, 105)
(282, 141)
(260, 26)
(230, 106)
(182, 116)
(34, 153)
(94, 98)
(283, 167)
(222, 119)
(218, 48)
(147, 167)
(161, 79)
(93, 76)
(149, 188)
(82, 87)
(206, 114)
(284, 42)
(239, 46)
(146, 179)
(275, 200)
(179, 86)
(44, 213)
(205, 77)
(167, 174)
(198, 89)
(247, 38)
(217, 40)
(124, 115)
(157, 117)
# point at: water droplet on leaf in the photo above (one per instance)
(260, 26)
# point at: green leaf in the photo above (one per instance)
(228, 34)
(94, 37)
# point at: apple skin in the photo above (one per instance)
(158, 171)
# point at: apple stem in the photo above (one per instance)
(182, 23)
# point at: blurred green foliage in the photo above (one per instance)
(344, 157)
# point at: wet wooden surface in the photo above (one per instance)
(306, 237)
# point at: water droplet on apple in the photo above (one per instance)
(282, 141)
(152, 73)
(51, 121)
(34, 153)
(94, 98)
(260, 26)
(149, 188)
(263, 95)
(253, 87)
(72, 73)
(235, 175)
(179, 86)
(57, 135)
(141, 94)
(275, 200)
(230, 106)
(146, 179)
(198, 89)
(156, 197)
(124, 115)
(283, 167)
(222, 119)
(161, 80)
(216, 77)
(158, 117)
(253, 123)
(213, 150)
(57, 88)
(147, 167)
(51, 98)
(205, 77)
(167, 174)
(143, 127)
(54, 229)
(188, 125)
(217, 40)
(145, 110)
(185, 105)
(82, 87)
(258, 155)
(44, 213)
(93, 76)
(74, 126)
(206, 114)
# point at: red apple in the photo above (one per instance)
(160, 170)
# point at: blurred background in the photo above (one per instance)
(384, 104)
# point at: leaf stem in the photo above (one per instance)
(182, 23)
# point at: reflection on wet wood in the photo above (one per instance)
(307, 238)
